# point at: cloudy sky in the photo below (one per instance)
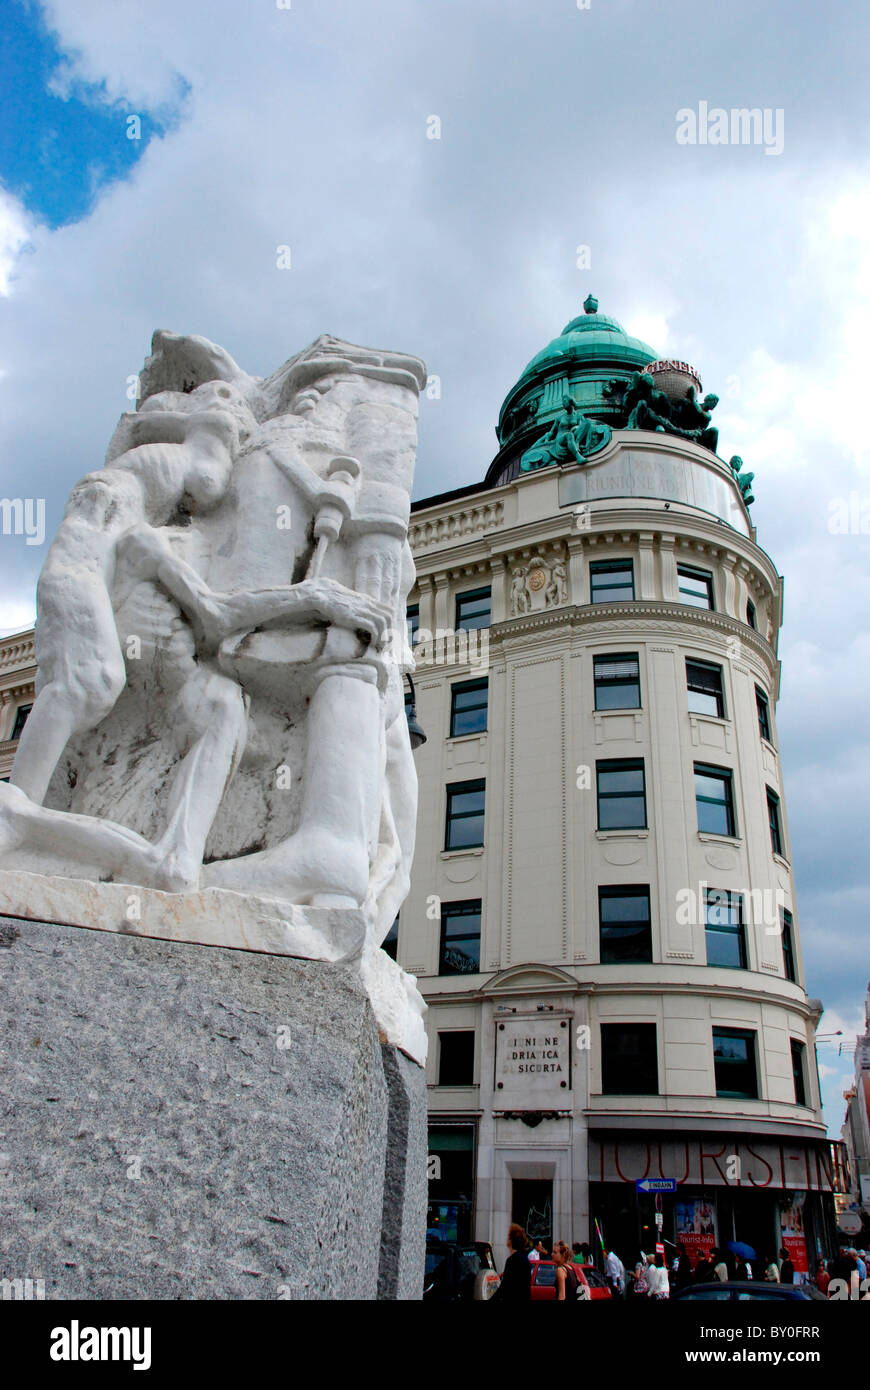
(305, 124)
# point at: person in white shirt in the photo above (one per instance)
(539, 1253)
(657, 1279)
(614, 1272)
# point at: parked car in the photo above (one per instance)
(732, 1291)
(598, 1285)
(455, 1271)
(544, 1279)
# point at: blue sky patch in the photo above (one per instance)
(56, 153)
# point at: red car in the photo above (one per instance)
(544, 1280)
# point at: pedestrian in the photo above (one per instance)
(639, 1286)
(682, 1270)
(657, 1280)
(536, 1253)
(614, 1272)
(740, 1268)
(862, 1267)
(567, 1277)
(516, 1279)
(703, 1270)
(786, 1268)
(823, 1278)
(720, 1267)
(577, 1250)
(771, 1271)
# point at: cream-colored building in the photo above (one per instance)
(856, 1129)
(602, 915)
(17, 676)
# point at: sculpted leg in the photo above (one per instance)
(64, 707)
(216, 711)
(327, 862)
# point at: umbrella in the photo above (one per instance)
(739, 1247)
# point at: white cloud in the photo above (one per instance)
(15, 235)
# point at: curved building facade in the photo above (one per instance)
(602, 914)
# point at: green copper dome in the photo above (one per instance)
(590, 353)
(592, 338)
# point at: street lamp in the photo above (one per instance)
(415, 731)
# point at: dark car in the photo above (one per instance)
(456, 1271)
(737, 1290)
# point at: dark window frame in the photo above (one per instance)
(454, 789)
(604, 567)
(774, 822)
(605, 765)
(749, 1036)
(21, 713)
(612, 1062)
(798, 1070)
(614, 682)
(412, 611)
(730, 902)
(468, 908)
(751, 616)
(613, 893)
(696, 684)
(685, 596)
(465, 688)
(470, 596)
(726, 776)
(786, 926)
(454, 1034)
(762, 705)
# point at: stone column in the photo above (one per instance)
(668, 563)
(646, 566)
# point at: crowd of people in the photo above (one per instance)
(652, 1277)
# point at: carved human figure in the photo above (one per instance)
(521, 597)
(168, 580)
(571, 436)
(556, 591)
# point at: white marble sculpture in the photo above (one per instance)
(219, 721)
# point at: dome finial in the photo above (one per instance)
(590, 304)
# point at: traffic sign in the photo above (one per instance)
(655, 1184)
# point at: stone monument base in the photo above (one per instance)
(180, 1121)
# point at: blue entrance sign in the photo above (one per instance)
(655, 1184)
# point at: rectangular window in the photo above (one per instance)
(20, 719)
(797, 1071)
(624, 924)
(456, 1058)
(750, 614)
(787, 924)
(617, 681)
(763, 714)
(390, 943)
(460, 938)
(704, 683)
(473, 609)
(714, 796)
(734, 1063)
(468, 707)
(412, 618)
(629, 1059)
(723, 920)
(774, 821)
(612, 581)
(465, 808)
(696, 586)
(621, 794)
